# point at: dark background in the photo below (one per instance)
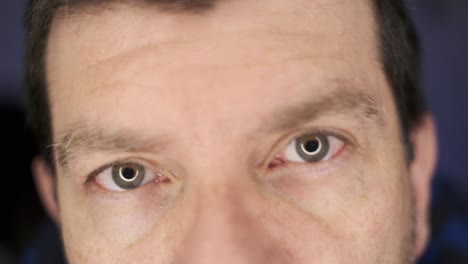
(442, 26)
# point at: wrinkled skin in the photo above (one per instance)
(205, 102)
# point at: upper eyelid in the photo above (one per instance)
(347, 138)
(346, 141)
(91, 176)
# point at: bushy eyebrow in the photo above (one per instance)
(88, 138)
(344, 99)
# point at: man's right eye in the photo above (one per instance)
(126, 176)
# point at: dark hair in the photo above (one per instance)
(401, 59)
(398, 48)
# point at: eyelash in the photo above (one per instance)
(158, 187)
(348, 141)
(147, 164)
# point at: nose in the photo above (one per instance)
(227, 228)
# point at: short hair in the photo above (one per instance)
(399, 54)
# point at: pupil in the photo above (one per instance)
(128, 173)
(312, 146)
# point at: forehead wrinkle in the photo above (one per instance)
(161, 47)
(125, 58)
(83, 137)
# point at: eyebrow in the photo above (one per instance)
(345, 99)
(81, 135)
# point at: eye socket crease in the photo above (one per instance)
(344, 98)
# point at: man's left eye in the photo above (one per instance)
(313, 147)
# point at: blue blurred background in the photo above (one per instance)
(443, 30)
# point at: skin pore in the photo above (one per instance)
(209, 104)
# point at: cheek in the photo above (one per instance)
(361, 213)
(387, 210)
(100, 231)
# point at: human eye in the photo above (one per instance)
(126, 175)
(310, 148)
(314, 147)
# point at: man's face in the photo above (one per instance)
(256, 132)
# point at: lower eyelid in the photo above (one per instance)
(315, 169)
(151, 174)
(342, 143)
(335, 147)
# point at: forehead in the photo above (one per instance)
(120, 56)
(320, 27)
